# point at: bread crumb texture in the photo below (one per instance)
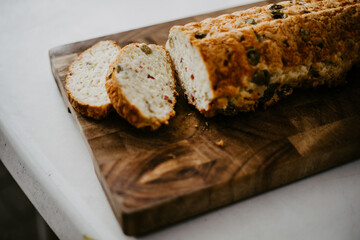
(85, 82)
(141, 86)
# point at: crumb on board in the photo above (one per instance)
(87, 238)
(220, 143)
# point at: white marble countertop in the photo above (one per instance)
(41, 145)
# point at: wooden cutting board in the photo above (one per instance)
(153, 179)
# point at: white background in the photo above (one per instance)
(41, 145)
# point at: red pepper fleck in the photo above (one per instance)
(185, 69)
(70, 74)
(167, 98)
(192, 98)
(149, 76)
(137, 45)
(192, 76)
(181, 60)
(140, 66)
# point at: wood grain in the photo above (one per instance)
(153, 179)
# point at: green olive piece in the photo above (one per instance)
(119, 68)
(313, 72)
(276, 14)
(261, 78)
(304, 34)
(269, 92)
(253, 56)
(250, 21)
(284, 91)
(146, 49)
(259, 37)
(200, 35)
(171, 42)
(276, 7)
(230, 109)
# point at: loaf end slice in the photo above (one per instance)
(141, 86)
(85, 82)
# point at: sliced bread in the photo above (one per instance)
(141, 86)
(85, 82)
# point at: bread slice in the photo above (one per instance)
(236, 62)
(85, 82)
(141, 86)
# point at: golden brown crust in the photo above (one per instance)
(95, 112)
(126, 109)
(288, 45)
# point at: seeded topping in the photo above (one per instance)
(253, 56)
(261, 78)
(149, 76)
(146, 49)
(200, 35)
(250, 21)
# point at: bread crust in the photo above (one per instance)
(129, 111)
(95, 112)
(313, 43)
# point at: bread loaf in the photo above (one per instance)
(238, 61)
(85, 82)
(141, 85)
